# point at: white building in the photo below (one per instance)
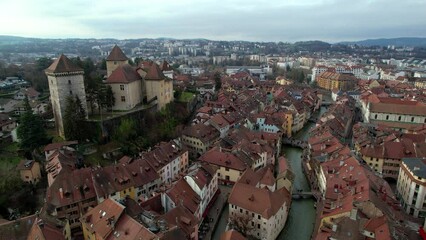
(411, 186)
(203, 180)
(256, 203)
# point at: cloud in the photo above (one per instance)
(254, 20)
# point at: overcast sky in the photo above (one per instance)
(252, 20)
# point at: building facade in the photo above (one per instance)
(411, 186)
(333, 80)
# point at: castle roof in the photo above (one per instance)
(116, 54)
(124, 74)
(63, 64)
(154, 73)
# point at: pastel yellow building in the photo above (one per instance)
(126, 84)
(333, 80)
(158, 86)
(115, 59)
(29, 171)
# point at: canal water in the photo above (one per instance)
(301, 219)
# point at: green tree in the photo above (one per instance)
(30, 131)
(138, 60)
(92, 86)
(74, 120)
(103, 64)
(217, 80)
(109, 98)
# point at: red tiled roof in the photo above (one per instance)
(124, 74)
(181, 192)
(154, 73)
(128, 228)
(398, 106)
(116, 55)
(232, 235)
(259, 200)
(63, 64)
(223, 159)
(183, 218)
(98, 220)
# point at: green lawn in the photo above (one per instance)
(96, 158)
(186, 97)
(9, 158)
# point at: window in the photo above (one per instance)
(387, 117)
(69, 82)
(412, 119)
(70, 92)
(375, 116)
(122, 87)
(123, 98)
(399, 118)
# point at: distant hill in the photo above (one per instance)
(404, 41)
(311, 46)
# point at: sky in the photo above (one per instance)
(250, 20)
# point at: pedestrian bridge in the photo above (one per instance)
(303, 195)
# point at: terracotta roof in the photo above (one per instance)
(45, 230)
(63, 64)
(379, 227)
(205, 133)
(398, 106)
(223, 159)
(154, 73)
(182, 193)
(232, 235)
(102, 218)
(128, 228)
(183, 218)
(116, 55)
(124, 74)
(259, 200)
(338, 76)
(76, 186)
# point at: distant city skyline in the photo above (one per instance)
(250, 20)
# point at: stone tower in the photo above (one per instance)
(115, 59)
(65, 79)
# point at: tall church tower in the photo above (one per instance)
(115, 59)
(65, 79)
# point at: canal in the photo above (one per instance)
(301, 219)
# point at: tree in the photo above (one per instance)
(74, 120)
(124, 134)
(30, 131)
(218, 81)
(109, 98)
(138, 60)
(241, 223)
(92, 86)
(287, 68)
